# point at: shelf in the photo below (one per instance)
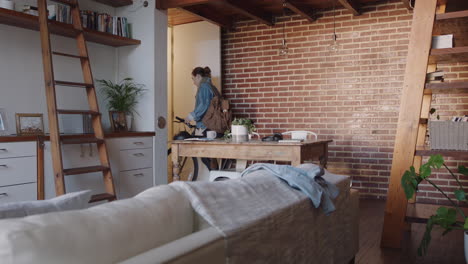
(419, 213)
(426, 151)
(14, 138)
(22, 20)
(115, 3)
(455, 23)
(457, 54)
(452, 87)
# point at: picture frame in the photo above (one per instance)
(29, 124)
(3, 122)
(118, 121)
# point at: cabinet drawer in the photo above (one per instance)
(135, 181)
(18, 170)
(136, 143)
(133, 159)
(18, 193)
(18, 149)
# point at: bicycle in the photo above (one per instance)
(188, 167)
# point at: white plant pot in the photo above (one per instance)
(466, 247)
(239, 133)
(8, 4)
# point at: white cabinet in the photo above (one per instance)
(131, 164)
(18, 172)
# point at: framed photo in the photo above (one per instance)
(3, 122)
(118, 121)
(29, 124)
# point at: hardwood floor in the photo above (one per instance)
(443, 249)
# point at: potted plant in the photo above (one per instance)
(444, 216)
(241, 129)
(122, 98)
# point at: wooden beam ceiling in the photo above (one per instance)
(301, 10)
(351, 5)
(213, 17)
(247, 9)
(165, 4)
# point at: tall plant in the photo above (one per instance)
(122, 96)
(444, 216)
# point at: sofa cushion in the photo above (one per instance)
(69, 201)
(106, 233)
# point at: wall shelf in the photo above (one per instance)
(457, 54)
(426, 151)
(22, 20)
(115, 3)
(15, 138)
(453, 87)
(455, 23)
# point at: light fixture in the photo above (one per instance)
(284, 50)
(334, 46)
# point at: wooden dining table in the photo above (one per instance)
(257, 150)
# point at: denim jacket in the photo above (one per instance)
(202, 102)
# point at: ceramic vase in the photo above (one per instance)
(239, 133)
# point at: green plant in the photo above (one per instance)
(122, 96)
(444, 217)
(241, 122)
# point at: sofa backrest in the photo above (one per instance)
(106, 233)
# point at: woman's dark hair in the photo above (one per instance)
(204, 72)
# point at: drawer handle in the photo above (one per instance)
(3, 165)
(138, 143)
(138, 154)
(3, 194)
(4, 149)
(139, 174)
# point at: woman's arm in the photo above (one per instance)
(202, 102)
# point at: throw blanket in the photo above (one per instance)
(310, 182)
(262, 218)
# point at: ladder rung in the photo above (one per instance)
(74, 84)
(77, 112)
(69, 55)
(83, 140)
(102, 197)
(83, 170)
(423, 120)
(66, 2)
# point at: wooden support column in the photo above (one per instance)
(408, 121)
(40, 167)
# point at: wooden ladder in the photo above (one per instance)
(55, 139)
(414, 114)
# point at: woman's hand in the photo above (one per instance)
(188, 119)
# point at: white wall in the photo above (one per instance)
(195, 44)
(21, 73)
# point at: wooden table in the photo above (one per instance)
(294, 152)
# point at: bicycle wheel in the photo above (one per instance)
(188, 167)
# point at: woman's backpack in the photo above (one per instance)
(218, 116)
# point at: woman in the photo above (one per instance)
(202, 80)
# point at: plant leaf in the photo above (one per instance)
(409, 184)
(426, 240)
(425, 171)
(436, 161)
(463, 170)
(465, 226)
(460, 195)
(433, 110)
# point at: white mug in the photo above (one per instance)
(211, 134)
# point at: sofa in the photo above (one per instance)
(157, 226)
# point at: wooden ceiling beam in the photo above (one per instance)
(247, 9)
(301, 10)
(406, 3)
(351, 5)
(165, 4)
(208, 15)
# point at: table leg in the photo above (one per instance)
(324, 157)
(175, 163)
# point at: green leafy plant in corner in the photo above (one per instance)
(122, 96)
(241, 122)
(444, 216)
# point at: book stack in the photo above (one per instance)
(106, 23)
(31, 10)
(60, 13)
(435, 77)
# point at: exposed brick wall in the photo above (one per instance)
(351, 97)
